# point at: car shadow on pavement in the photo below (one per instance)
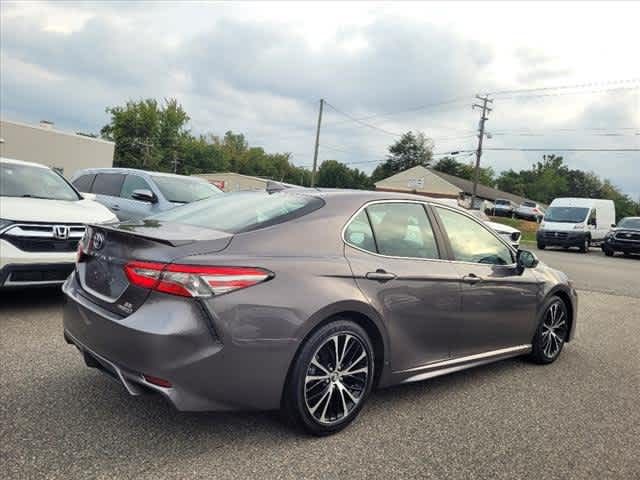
(26, 298)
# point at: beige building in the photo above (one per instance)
(67, 152)
(426, 181)
(233, 182)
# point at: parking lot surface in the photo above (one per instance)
(577, 418)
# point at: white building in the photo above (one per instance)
(67, 152)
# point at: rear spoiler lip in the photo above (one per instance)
(156, 238)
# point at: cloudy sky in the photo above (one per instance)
(261, 68)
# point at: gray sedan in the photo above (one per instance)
(133, 194)
(306, 300)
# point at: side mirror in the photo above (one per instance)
(613, 225)
(144, 195)
(592, 221)
(527, 259)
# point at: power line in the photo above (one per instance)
(563, 94)
(408, 110)
(566, 87)
(354, 119)
(525, 149)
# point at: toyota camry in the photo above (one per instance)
(306, 300)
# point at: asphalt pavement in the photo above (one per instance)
(575, 419)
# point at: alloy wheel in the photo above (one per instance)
(554, 329)
(336, 378)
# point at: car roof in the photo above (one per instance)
(21, 162)
(137, 171)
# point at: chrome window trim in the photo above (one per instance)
(432, 204)
(374, 202)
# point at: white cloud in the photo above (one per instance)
(260, 68)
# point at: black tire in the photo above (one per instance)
(541, 246)
(586, 245)
(319, 347)
(608, 252)
(626, 254)
(548, 340)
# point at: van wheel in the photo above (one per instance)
(608, 252)
(586, 245)
(330, 379)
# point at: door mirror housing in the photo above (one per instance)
(527, 259)
(592, 221)
(144, 195)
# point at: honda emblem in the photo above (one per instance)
(60, 232)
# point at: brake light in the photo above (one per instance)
(193, 280)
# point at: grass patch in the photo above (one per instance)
(527, 227)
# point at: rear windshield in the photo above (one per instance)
(243, 211)
(502, 202)
(185, 189)
(528, 204)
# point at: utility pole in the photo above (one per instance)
(315, 151)
(483, 118)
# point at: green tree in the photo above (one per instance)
(452, 166)
(410, 150)
(334, 174)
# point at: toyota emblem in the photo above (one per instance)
(98, 241)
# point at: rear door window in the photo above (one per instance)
(108, 184)
(84, 182)
(359, 234)
(402, 230)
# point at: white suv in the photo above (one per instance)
(42, 218)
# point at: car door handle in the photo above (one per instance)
(380, 275)
(472, 278)
(115, 207)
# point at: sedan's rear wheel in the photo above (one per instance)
(552, 331)
(331, 378)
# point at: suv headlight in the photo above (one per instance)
(4, 224)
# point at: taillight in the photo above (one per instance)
(193, 280)
(80, 252)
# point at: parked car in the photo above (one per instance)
(306, 300)
(530, 211)
(625, 238)
(42, 218)
(510, 234)
(576, 222)
(133, 194)
(504, 208)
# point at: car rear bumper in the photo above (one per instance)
(174, 339)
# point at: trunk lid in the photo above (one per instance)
(108, 248)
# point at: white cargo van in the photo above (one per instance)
(576, 222)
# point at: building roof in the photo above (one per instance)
(487, 193)
(427, 181)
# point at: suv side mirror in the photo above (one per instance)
(144, 195)
(527, 259)
(613, 225)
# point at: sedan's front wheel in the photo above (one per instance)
(552, 331)
(331, 378)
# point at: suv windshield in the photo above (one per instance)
(185, 189)
(18, 180)
(502, 202)
(566, 214)
(630, 222)
(243, 211)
